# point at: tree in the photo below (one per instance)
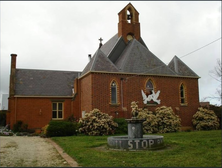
(216, 74)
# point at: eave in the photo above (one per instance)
(27, 96)
(139, 74)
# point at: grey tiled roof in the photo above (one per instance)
(44, 82)
(117, 49)
(180, 68)
(100, 62)
(114, 47)
(136, 58)
(108, 46)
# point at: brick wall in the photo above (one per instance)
(36, 112)
(131, 91)
(93, 91)
(86, 93)
(124, 28)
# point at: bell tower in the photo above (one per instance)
(129, 26)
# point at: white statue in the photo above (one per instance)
(153, 97)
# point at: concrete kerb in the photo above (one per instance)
(69, 159)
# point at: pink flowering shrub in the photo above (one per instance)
(150, 125)
(163, 120)
(97, 123)
(205, 119)
(167, 120)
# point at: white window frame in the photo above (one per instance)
(57, 110)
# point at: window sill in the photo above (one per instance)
(150, 105)
(57, 118)
(184, 105)
(114, 105)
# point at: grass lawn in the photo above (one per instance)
(183, 149)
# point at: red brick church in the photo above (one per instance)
(121, 71)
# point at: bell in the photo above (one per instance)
(129, 17)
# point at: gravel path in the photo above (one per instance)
(23, 151)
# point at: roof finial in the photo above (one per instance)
(100, 44)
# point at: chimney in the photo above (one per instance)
(89, 56)
(12, 75)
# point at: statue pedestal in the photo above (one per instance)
(135, 139)
(135, 128)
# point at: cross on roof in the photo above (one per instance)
(100, 40)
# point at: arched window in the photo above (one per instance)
(113, 93)
(150, 97)
(149, 87)
(182, 94)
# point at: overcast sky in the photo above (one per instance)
(60, 35)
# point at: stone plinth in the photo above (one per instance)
(135, 128)
(135, 139)
(145, 143)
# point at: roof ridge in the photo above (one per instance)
(46, 70)
(127, 46)
(109, 59)
(94, 58)
(104, 55)
(114, 45)
(138, 58)
(100, 62)
(174, 62)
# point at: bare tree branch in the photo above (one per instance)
(216, 74)
(217, 71)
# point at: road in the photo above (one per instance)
(24, 151)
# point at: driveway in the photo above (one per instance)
(24, 151)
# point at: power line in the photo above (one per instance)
(179, 57)
(201, 47)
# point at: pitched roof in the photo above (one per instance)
(44, 82)
(180, 68)
(136, 58)
(100, 62)
(114, 47)
(110, 44)
(129, 4)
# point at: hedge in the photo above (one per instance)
(61, 128)
(122, 126)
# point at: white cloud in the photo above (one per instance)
(59, 35)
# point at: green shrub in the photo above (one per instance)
(2, 118)
(61, 128)
(97, 123)
(19, 126)
(71, 119)
(122, 126)
(205, 119)
(217, 110)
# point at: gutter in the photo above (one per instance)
(139, 74)
(26, 96)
